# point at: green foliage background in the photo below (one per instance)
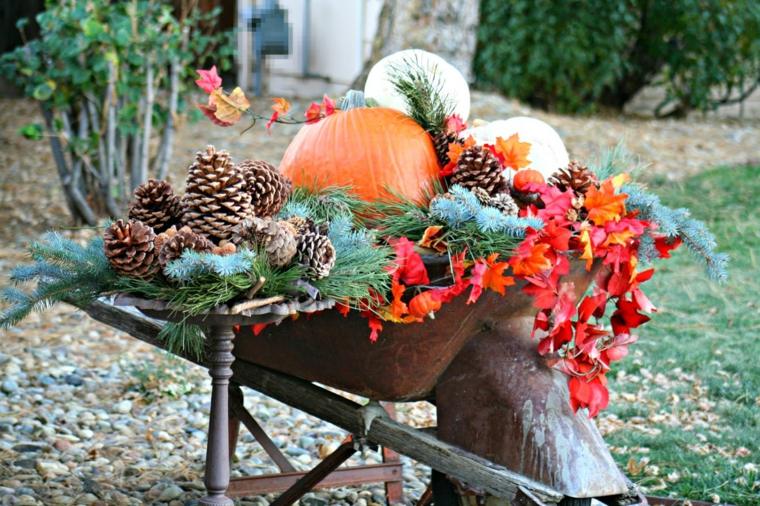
(574, 56)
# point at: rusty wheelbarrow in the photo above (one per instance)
(505, 426)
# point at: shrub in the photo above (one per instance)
(109, 77)
(574, 56)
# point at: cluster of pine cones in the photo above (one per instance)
(480, 171)
(225, 206)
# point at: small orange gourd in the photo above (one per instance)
(377, 152)
(524, 177)
(423, 304)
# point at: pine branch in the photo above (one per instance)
(678, 223)
(423, 92)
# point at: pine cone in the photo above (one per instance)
(576, 177)
(276, 238)
(268, 188)
(501, 201)
(155, 204)
(479, 168)
(301, 224)
(215, 199)
(441, 143)
(183, 239)
(316, 253)
(130, 249)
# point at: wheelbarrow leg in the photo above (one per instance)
(234, 421)
(220, 360)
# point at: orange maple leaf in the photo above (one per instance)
(494, 277)
(604, 204)
(280, 105)
(530, 259)
(514, 152)
(398, 307)
(433, 238)
(588, 252)
(229, 108)
(456, 149)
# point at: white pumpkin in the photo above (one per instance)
(454, 86)
(547, 151)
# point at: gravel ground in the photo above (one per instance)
(91, 416)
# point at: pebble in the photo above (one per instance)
(9, 386)
(123, 406)
(169, 493)
(51, 468)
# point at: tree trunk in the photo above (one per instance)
(445, 27)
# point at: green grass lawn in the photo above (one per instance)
(685, 417)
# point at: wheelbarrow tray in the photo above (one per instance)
(406, 361)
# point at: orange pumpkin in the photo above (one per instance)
(377, 152)
(524, 177)
(423, 304)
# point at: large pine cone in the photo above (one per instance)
(576, 177)
(501, 201)
(215, 198)
(173, 244)
(441, 143)
(155, 204)
(316, 253)
(479, 168)
(130, 249)
(277, 239)
(268, 188)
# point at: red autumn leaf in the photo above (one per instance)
(564, 308)
(591, 394)
(209, 80)
(618, 348)
(543, 290)
(313, 113)
(555, 234)
(643, 301)
(328, 106)
(460, 284)
(476, 280)
(627, 317)
(590, 304)
(409, 267)
(556, 202)
(665, 245)
(604, 204)
(512, 153)
(343, 309)
(454, 124)
(272, 119)
(374, 324)
(258, 328)
(541, 322)
(559, 335)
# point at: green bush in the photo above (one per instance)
(573, 55)
(109, 76)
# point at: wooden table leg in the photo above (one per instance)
(220, 360)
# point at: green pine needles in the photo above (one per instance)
(423, 92)
(64, 270)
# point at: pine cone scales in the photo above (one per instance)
(173, 245)
(268, 188)
(501, 201)
(155, 204)
(277, 239)
(441, 143)
(216, 199)
(479, 168)
(575, 176)
(130, 249)
(316, 253)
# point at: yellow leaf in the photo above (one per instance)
(229, 108)
(620, 180)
